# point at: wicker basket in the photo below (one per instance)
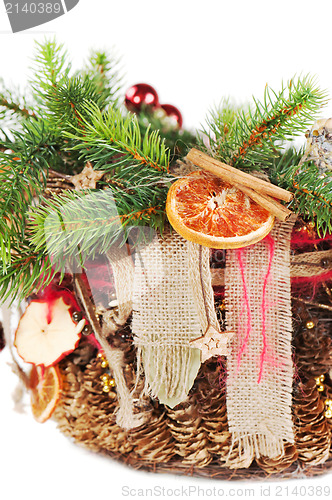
(193, 437)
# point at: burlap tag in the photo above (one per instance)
(260, 371)
(165, 318)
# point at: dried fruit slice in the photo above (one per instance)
(45, 387)
(46, 332)
(203, 208)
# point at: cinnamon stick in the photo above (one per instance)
(235, 176)
(266, 202)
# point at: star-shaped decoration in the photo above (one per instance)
(212, 343)
(88, 178)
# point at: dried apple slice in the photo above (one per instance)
(47, 333)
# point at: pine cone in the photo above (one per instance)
(56, 184)
(83, 354)
(312, 435)
(211, 390)
(279, 464)
(313, 351)
(212, 409)
(191, 439)
(86, 413)
(70, 412)
(110, 437)
(235, 459)
(327, 396)
(72, 393)
(153, 442)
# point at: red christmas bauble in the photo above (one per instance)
(140, 94)
(173, 112)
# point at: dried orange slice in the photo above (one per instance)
(45, 387)
(203, 208)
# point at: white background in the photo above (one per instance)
(193, 53)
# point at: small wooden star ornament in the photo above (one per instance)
(212, 343)
(88, 178)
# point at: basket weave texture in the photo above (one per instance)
(193, 437)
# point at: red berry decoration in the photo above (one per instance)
(140, 94)
(173, 112)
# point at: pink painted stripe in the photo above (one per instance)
(269, 240)
(239, 253)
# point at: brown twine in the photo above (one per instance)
(200, 278)
(123, 273)
(115, 358)
(302, 266)
(311, 264)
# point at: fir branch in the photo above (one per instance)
(314, 199)
(15, 108)
(177, 140)
(219, 131)
(50, 67)
(27, 272)
(13, 101)
(258, 133)
(22, 177)
(137, 166)
(313, 192)
(63, 108)
(111, 141)
(103, 69)
(78, 225)
(66, 103)
(278, 118)
(284, 165)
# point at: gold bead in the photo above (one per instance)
(311, 225)
(328, 413)
(106, 388)
(321, 378)
(105, 378)
(111, 382)
(310, 325)
(317, 380)
(328, 403)
(99, 355)
(320, 388)
(104, 364)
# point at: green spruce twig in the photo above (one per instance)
(109, 140)
(50, 66)
(251, 138)
(312, 191)
(81, 225)
(103, 69)
(14, 107)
